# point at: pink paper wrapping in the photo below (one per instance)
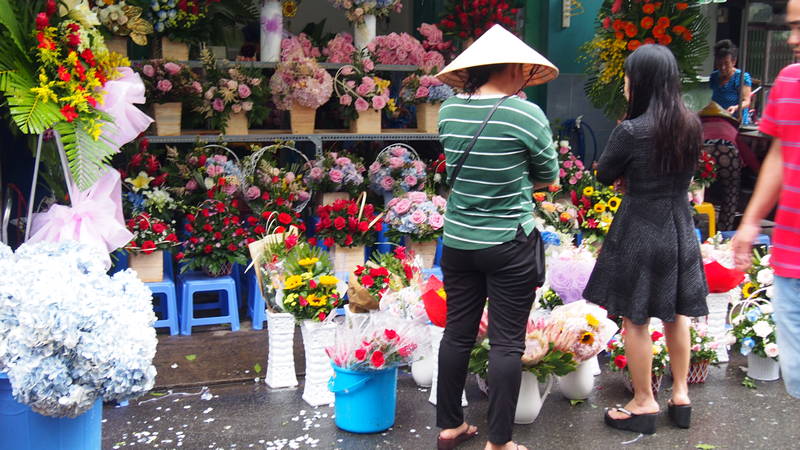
(94, 218)
(121, 95)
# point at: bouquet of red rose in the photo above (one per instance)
(218, 239)
(347, 224)
(150, 234)
(706, 173)
(471, 18)
(383, 342)
(367, 286)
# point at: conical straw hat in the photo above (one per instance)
(498, 46)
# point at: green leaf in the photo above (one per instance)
(576, 402)
(10, 20)
(705, 446)
(190, 357)
(157, 394)
(749, 383)
(87, 157)
(257, 368)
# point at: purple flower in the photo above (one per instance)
(272, 24)
(218, 105)
(336, 175)
(148, 70)
(244, 91)
(191, 185)
(172, 68)
(387, 183)
(418, 217)
(164, 86)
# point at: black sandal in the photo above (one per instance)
(451, 443)
(680, 415)
(638, 423)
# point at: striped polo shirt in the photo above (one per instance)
(492, 197)
(781, 119)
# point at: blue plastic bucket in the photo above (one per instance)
(365, 401)
(23, 429)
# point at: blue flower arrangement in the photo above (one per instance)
(69, 333)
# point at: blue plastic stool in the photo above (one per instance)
(255, 302)
(238, 276)
(699, 235)
(762, 239)
(426, 273)
(168, 306)
(194, 282)
(437, 262)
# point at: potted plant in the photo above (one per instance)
(233, 98)
(168, 85)
(704, 176)
(122, 20)
(336, 176)
(346, 227)
(427, 93)
(151, 237)
(619, 363)
(704, 352)
(417, 218)
(300, 86)
(362, 94)
(56, 374)
(396, 170)
(217, 240)
(363, 16)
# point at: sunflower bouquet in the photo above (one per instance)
(309, 290)
(759, 278)
(590, 324)
(596, 208)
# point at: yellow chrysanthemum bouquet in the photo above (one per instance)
(310, 291)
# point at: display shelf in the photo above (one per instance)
(263, 136)
(272, 65)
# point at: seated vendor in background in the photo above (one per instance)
(726, 81)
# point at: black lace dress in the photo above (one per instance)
(650, 263)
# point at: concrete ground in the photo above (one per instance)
(247, 415)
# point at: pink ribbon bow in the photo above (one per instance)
(94, 218)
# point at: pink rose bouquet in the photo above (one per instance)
(397, 170)
(336, 172)
(301, 81)
(340, 49)
(417, 89)
(358, 89)
(167, 81)
(416, 215)
(298, 46)
(355, 10)
(405, 49)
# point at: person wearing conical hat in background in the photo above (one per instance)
(491, 248)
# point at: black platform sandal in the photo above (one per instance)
(638, 423)
(680, 415)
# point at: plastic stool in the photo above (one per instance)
(437, 261)
(168, 307)
(762, 239)
(194, 282)
(437, 271)
(708, 209)
(255, 301)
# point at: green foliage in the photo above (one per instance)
(555, 362)
(749, 383)
(479, 359)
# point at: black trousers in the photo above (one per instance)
(508, 275)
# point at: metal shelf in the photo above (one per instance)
(271, 65)
(263, 136)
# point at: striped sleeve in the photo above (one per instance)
(535, 133)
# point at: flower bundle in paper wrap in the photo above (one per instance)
(435, 300)
(591, 325)
(568, 271)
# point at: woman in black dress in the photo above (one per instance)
(650, 263)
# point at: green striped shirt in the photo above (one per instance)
(492, 197)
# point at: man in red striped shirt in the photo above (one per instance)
(779, 180)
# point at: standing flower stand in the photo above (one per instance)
(578, 384)
(425, 250)
(364, 32)
(280, 359)
(762, 369)
(531, 398)
(345, 259)
(168, 118)
(302, 119)
(698, 372)
(368, 122)
(149, 268)
(271, 30)
(428, 118)
(436, 340)
(237, 125)
(174, 51)
(317, 335)
(717, 315)
(22, 428)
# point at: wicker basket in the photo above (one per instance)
(149, 268)
(225, 269)
(428, 118)
(698, 372)
(345, 259)
(237, 125)
(168, 119)
(656, 383)
(368, 122)
(302, 119)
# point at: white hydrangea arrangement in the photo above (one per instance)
(70, 334)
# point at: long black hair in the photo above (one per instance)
(477, 76)
(655, 89)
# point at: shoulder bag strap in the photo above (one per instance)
(460, 163)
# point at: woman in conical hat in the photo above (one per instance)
(491, 248)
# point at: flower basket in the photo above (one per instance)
(698, 372)
(426, 250)
(656, 382)
(225, 269)
(237, 125)
(177, 51)
(168, 119)
(345, 259)
(118, 44)
(428, 118)
(302, 119)
(368, 122)
(150, 268)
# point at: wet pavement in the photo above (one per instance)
(248, 415)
